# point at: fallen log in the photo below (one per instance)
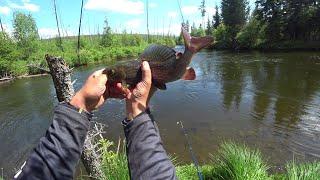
(6, 79)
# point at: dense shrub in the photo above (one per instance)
(7, 46)
(248, 37)
(18, 68)
(222, 37)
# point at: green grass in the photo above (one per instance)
(114, 164)
(189, 172)
(232, 162)
(239, 162)
(309, 171)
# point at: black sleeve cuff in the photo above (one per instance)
(126, 121)
(83, 113)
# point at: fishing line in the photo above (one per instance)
(179, 5)
(193, 156)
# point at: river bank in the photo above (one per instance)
(8, 79)
(108, 57)
(112, 55)
(16, 61)
(232, 161)
(283, 46)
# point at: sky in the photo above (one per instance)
(129, 15)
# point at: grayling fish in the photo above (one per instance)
(166, 64)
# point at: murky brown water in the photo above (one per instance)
(269, 101)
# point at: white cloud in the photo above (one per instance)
(5, 10)
(193, 14)
(46, 33)
(7, 28)
(134, 24)
(120, 6)
(173, 29)
(153, 5)
(210, 11)
(189, 10)
(172, 14)
(26, 5)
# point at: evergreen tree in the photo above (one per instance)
(193, 29)
(203, 10)
(298, 17)
(187, 26)
(209, 27)
(216, 19)
(200, 32)
(270, 13)
(290, 19)
(106, 40)
(234, 14)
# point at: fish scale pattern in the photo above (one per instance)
(158, 52)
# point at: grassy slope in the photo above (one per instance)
(233, 162)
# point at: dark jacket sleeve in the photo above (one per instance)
(147, 158)
(58, 152)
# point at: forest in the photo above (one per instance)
(270, 25)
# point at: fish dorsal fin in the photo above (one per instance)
(190, 74)
(158, 52)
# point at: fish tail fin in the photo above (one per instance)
(195, 44)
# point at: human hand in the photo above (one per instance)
(95, 92)
(137, 100)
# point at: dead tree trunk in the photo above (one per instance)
(55, 12)
(61, 76)
(148, 32)
(2, 29)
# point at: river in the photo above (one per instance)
(268, 101)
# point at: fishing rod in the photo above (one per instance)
(179, 5)
(79, 33)
(193, 156)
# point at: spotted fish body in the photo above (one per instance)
(166, 64)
